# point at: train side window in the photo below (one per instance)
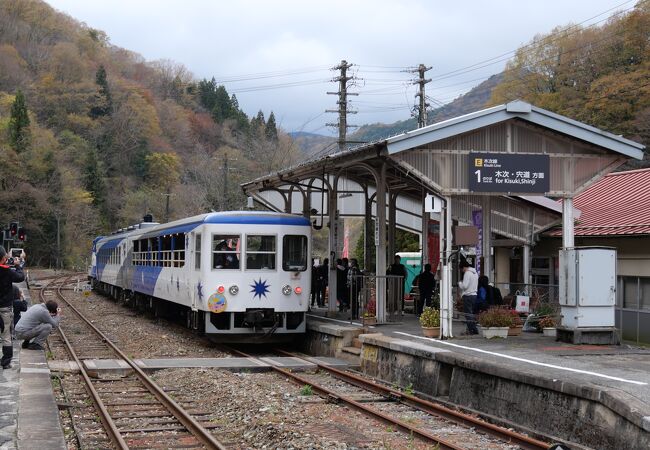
(225, 251)
(294, 253)
(260, 252)
(197, 251)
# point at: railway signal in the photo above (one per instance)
(22, 234)
(13, 228)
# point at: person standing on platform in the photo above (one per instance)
(483, 295)
(341, 281)
(323, 281)
(314, 283)
(9, 274)
(397, 268)
(468, 288)
(37, 323)
(354, 286)
(20, 305)
(426, 284)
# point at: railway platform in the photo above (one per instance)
(29, 417)
(589, 394)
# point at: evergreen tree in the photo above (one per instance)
(222, 109)
(258, 124)
(270, 130)
(207, 93)
(93, 178)
(104, 106)
(19, 124)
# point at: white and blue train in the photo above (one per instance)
(228, 274)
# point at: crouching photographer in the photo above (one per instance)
(11, 271)
(37, 323)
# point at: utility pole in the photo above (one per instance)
(422, 106)
(167, 194)
(342, 110)
(225, 202)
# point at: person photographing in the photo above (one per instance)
(11, 271)
(36, 324)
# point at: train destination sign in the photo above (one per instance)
(507, 172)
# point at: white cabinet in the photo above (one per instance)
(588, 286)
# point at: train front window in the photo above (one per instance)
(294, 253)
(225, 251)
(260, 252)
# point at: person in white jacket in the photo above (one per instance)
(468, 286)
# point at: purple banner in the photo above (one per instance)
(477, 221)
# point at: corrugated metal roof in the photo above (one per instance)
(618, 204)
(502, 113)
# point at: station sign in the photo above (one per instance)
(507, 172)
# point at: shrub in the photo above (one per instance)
(371, 309)
(495, 317)
(547, 322)
(430, 317)
(516, 319)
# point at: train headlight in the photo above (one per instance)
(286, 289)
(234, 289)
(298, 290)
(221, 289)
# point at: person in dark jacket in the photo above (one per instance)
(323, 274)
(427, 284)
(8, 276)
(20, 305)
(397, 268)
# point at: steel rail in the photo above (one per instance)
(109, 425)
(404, 426)
(513, 437)
(194, 427)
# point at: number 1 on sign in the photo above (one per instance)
(478, 176)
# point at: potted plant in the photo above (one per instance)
(517, 324)
(547, 324)
(430, 321)
(495, 322)
(369, 315)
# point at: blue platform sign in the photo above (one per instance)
(507, 172)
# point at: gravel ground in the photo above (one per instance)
(256, 410)
(261, 410)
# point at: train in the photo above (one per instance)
(236, 276)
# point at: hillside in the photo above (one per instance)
(472, 101)
(597, 75)
(94, 136)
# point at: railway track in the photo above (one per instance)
(378, 401)
(129, 412)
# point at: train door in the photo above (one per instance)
(194, 268)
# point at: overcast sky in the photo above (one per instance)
(282, 42)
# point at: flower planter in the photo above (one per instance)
(432, 332)
(551, 332)
(492, 332)
(367, 321)
(515, 331)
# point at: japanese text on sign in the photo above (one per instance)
(506, 172)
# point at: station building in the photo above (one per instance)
(614, 212)
(498, 170)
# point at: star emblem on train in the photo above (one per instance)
(260, 288)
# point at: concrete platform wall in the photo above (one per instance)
(584, 414)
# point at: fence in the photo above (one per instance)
(633, 308)
(362, 291)
(544, 298)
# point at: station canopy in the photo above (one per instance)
(437, 159)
